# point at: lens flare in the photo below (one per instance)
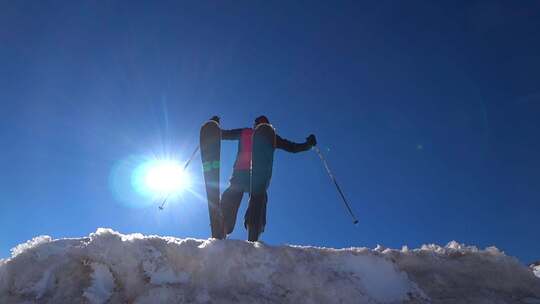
(166, 177)
(159, 178)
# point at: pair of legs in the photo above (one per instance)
(232, 197)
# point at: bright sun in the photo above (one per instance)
(166, 177)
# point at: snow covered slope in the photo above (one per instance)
(108, 267)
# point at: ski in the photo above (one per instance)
(210, 144)
(262, 159)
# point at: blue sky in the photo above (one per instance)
(427, 113)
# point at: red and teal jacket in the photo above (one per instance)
(245, 141)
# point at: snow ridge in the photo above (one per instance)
(110, 267)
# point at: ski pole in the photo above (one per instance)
(355, 221)
(191, 158)
(184, 169)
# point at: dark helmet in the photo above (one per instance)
(261, 119)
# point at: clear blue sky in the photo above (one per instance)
(427, 111)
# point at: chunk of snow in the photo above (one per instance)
(102, 284)
(30, 244)
(162, 273)
(42, 285)
(379, 276)
(536, 270)
(379, 248)
(110, 267)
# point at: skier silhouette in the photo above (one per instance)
(241, 176)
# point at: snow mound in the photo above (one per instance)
(109, 267)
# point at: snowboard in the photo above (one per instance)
(210, 143)
(262, 159)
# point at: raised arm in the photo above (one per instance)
(293, 147)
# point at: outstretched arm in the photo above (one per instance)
(233, 134)
(293, 147)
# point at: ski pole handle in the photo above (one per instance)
(325, 163)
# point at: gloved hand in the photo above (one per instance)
(215, 118)
(311, 140)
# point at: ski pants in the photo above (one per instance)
(232, 197)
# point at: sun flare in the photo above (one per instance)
(165, 177)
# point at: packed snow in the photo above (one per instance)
(110, 267)
(536, 268)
